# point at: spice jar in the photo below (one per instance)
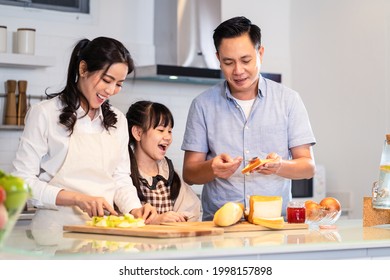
(26, 40)
(296, 212)
(3, 39)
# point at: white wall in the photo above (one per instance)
(340, 65)
(335, 53)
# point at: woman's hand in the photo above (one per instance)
(92, 205)
(146, 212)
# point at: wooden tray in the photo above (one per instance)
(240, 226)
(155, 231)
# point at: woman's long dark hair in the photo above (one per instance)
(98, 54)
(146, 115)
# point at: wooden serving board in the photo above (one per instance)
(240, 226)
(155, 231)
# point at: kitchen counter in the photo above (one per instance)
(350, 240)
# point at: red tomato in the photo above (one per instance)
(2, 195)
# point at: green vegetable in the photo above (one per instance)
(17, 192)
(127, 220)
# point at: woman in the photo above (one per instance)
(150, 129)
(73, 151)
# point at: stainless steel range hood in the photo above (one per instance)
(172, 73)
(184, 48)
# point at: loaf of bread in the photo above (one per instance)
(264, 207)
(229, 214)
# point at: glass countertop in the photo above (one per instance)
(25, 243)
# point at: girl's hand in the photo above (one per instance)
(169, 217)
(146, 212)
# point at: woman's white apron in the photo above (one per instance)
(88, 168)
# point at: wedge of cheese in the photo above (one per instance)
(274, 223)
(264, 207)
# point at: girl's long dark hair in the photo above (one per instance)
(98, 54)
(146, 115)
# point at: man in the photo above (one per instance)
(244, 117)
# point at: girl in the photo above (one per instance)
(150, 130)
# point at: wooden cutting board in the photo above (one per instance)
(155, 231)
(240, 226)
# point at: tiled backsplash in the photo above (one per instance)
(9, 140)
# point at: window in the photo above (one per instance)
(71, 6)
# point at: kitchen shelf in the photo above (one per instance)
(11, 127)
(29, 96)
(25, 61)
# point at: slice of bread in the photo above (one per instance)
(254, 163)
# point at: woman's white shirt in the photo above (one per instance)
(44, 145)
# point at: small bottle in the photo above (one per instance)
(22, 101)
(296, 212)
(381, 188)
